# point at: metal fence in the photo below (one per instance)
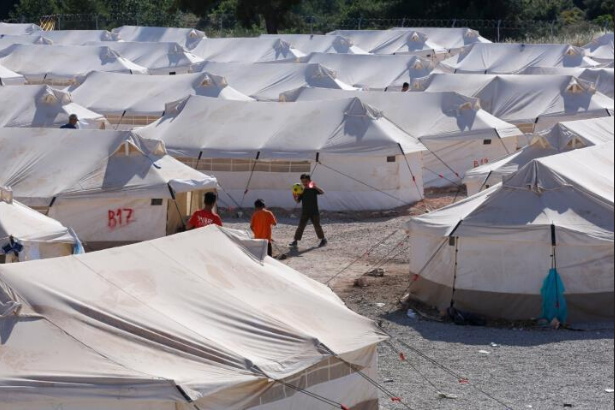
(217, 25)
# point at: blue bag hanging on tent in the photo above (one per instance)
(554, 305)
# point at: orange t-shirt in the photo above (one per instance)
(262, 224)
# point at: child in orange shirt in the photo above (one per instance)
(263, 222)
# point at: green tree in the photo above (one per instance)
(275, 13)
(31, 10)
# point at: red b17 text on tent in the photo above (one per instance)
(120, 217)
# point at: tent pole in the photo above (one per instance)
(502, 141)
(173, 197)
(452, 238)
(416, 184)
(486, 181)
(245, 193)
(198, 162)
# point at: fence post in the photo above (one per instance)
(97, 22)
(553, 30)
(59, 22)
(221, 25)
(499, 32)
(454, 22)
(403, 23)
(312, 25)
(360, 22)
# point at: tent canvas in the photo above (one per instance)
(602, 78)
(78, 37)
(113, 191)
(265, 82)
(185, 37)
(601, 49)
(514, 58)
(7, 40)
(43, 107)
(261, 149)
(170, 324)
(427, 42)
(563, 137)
(373, 72)
(131, 101)
(313, 43)
(158, 58)
(493, 251)
(246, 50)
(41, 237)
(8, 77)
(61, 65)
(452, 127)
(19, 29)
(533, 102)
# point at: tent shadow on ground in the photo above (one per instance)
(505, 337)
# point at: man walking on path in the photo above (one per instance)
(310, 211)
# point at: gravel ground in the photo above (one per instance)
(521, 368)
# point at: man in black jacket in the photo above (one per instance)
(310, 210)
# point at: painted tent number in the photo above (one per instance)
(120, 217)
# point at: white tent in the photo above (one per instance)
(265, 82)
(61, 65)
(185, 37)
(78, 37)
(40, 236)
(601, 49)
(374, 72)
(19, 29)
(259, 150)
(563, 137)
(602, 78)
(130, 101)
(458, 134)
(533, 102)
(8, 77)
(491, 253)
(312, 43)
(42, 107)
(111, 192)
(9, 40)
(514, 58)
(192, 320)
(158, 58)
(246, 50)
(427, 42)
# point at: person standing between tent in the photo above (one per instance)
(310, 211)
(405, 88)
(73, 120)
(262, 224)
(206, 216)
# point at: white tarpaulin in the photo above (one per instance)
(514, 58)
(505, 239)
(246, 50)
(8, 77)
(602, 78)
(313, 43)
(265, 82)
(158, 58)
(63, 64)
(121, 97)
(41, 237)
(162, 324)
(78, 37)
(563, 137)
(373, 72)
(424, 41)
(185, 37)
(452, 127)
(8, 40)
(110, 177)
(19, 29)
(267, 146)
(41, 106)
(534, 102)
(601, 49)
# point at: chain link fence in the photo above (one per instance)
(221, 25)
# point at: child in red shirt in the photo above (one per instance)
(206, 216)
(262, 224)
